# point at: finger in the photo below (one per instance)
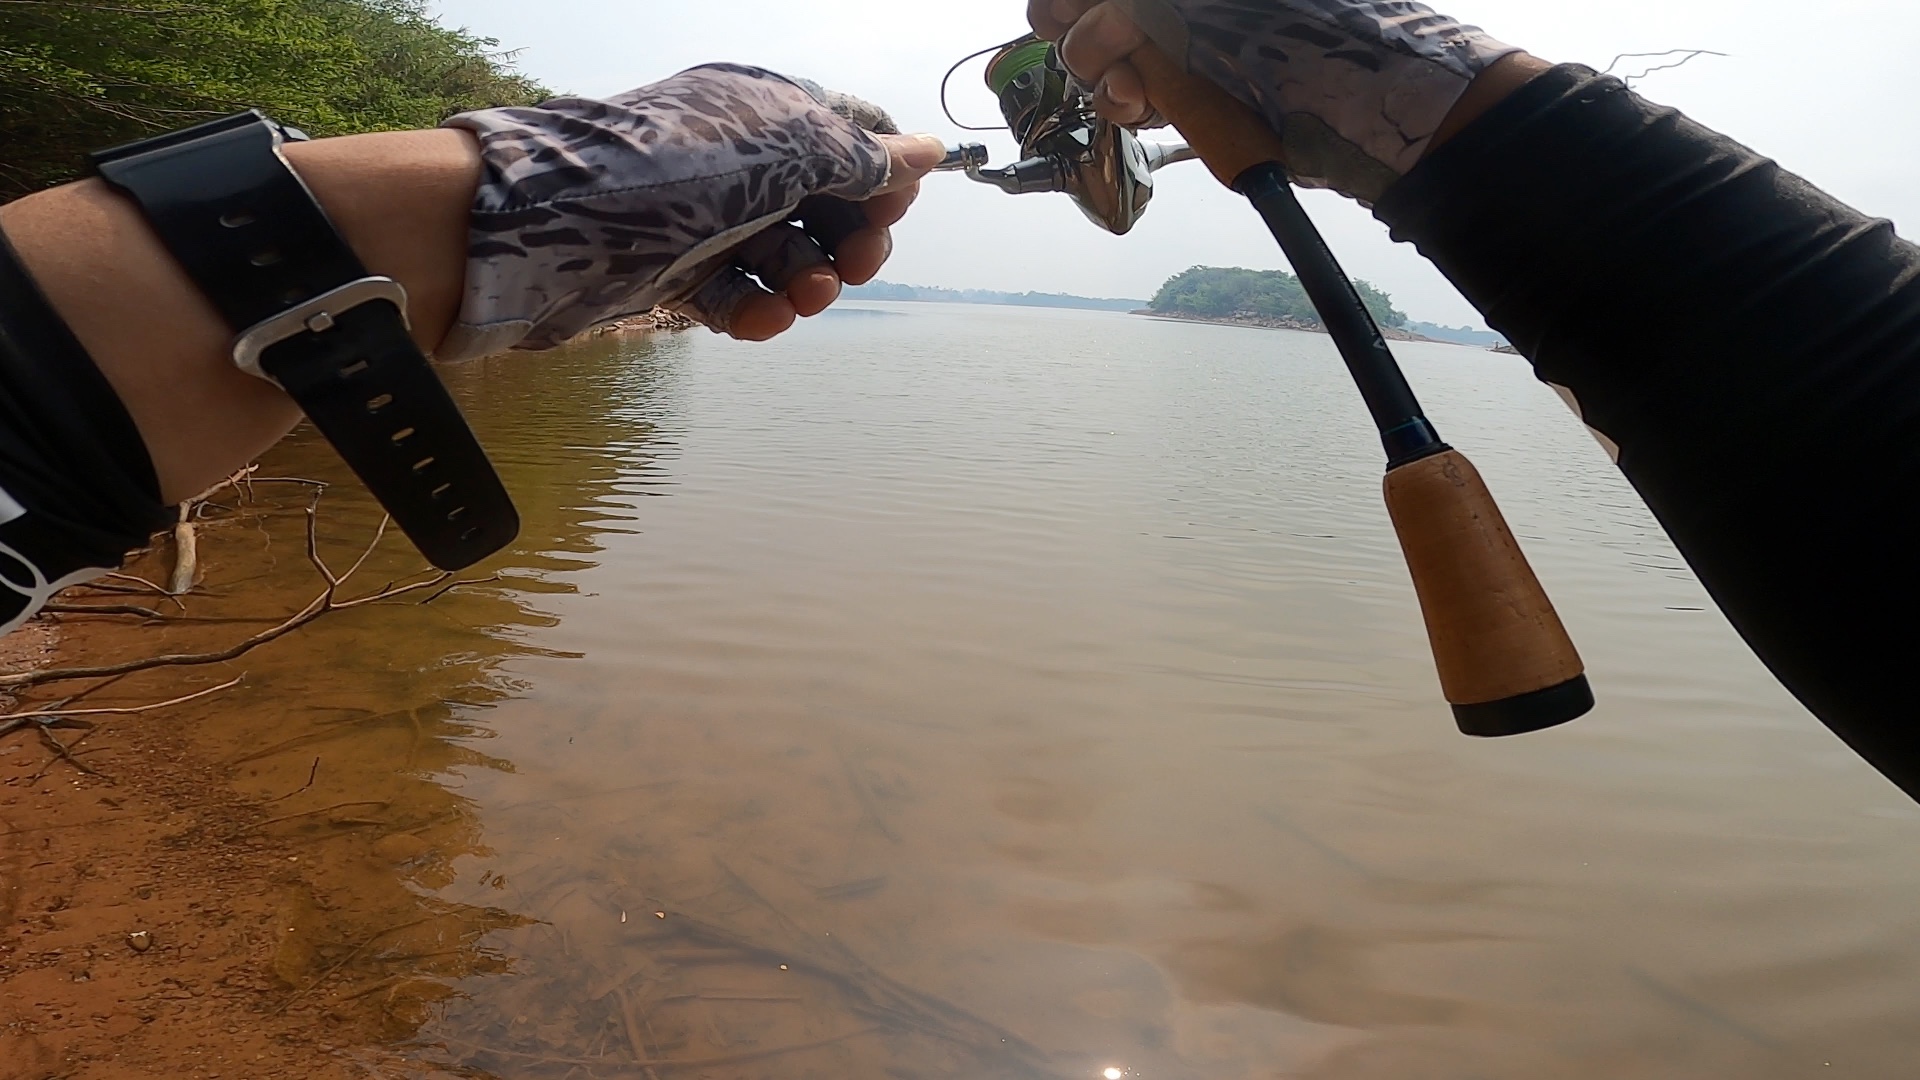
(854, 233)
(733, 303)
(1122, 96)
(887, 210)
(813, 291)
(780, 255)
(1051, 19)
(1100, 40)
(861, 255)
(1040, 16)
(762, 318)
(913, 157)
(830, 220)
(787, 261)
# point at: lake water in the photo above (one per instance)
(980, 692)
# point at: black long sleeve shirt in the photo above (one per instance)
(1751, 344)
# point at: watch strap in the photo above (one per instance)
(309, 317)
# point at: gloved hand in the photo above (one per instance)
(671, 195)
(1356, 89)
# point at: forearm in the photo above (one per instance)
(1750, 344)
(402, 201)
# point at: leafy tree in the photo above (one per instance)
(1382, 306)
(77, 75)
(1218, 293)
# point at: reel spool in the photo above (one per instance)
(1064, 147)
(1030, 83)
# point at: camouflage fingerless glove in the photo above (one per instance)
(591, 210)
(1356, 88)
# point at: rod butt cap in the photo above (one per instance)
(1528, 713)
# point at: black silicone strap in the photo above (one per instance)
(249, 232)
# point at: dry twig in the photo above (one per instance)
(324, 604)
(10, 719)
(57, 608)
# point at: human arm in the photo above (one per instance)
(1749, 345)
(110, 356)
(402, 200)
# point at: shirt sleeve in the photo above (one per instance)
(77, 488)
(1750, 344)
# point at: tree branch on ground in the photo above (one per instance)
(326, 603)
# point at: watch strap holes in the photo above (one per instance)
(265, 258)
(354, 368)
(456, 513)
(400, 437)
(238, 219)
(440, 492)
(374, 405)
(470, 535)
(423, 465)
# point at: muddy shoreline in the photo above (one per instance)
(223, 888)
(140, 902)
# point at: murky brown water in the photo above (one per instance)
(970, 692)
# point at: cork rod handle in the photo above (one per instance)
(1506, 662)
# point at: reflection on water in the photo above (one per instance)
(984, 692)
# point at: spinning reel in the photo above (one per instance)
(1104, 168)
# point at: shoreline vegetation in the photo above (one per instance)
(1262, 322)
(928, 294)
(78, 77)
(1219, 296)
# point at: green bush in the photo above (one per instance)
(78, 75)
(1217, 293)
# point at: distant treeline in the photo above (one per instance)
(887, 290)
(1222, 293)
(79, 75)
(1459, 335)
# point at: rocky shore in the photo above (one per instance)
(1263, 322)
(659, 319)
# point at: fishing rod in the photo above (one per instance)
(1505, 660)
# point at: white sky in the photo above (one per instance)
(1826, 88)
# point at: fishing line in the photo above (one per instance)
(1691, 55)
(948, 77)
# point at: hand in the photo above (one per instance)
(1357, 89)
(673, 194)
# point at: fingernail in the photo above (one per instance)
(922, 152)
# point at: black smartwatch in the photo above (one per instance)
(309, 318)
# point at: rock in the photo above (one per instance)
(659, 319)
(401, 848)
(140, 940)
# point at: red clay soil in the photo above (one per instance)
(138, 921)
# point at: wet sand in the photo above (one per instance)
(140, 902)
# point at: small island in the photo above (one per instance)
(1266, 298)
(1270, 299)
(1275, 299)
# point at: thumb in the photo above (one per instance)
(910, 157)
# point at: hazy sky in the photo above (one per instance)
(1827, 89)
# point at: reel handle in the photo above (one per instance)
(1506, 662)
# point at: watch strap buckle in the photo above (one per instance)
(315, 316)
